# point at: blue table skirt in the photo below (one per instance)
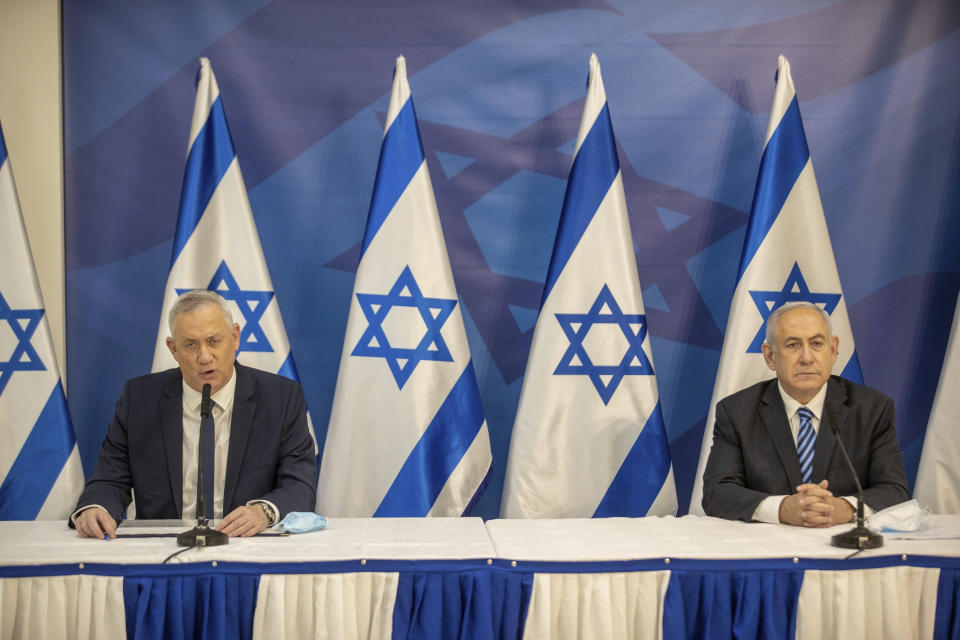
(480, 599)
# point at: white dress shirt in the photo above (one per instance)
(222, 412)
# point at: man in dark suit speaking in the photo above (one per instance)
(263, 464)
(775, 457)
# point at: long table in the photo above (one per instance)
(709, 578)
(462, 578)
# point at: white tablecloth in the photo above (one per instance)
(359, 578)
(79, 602)
(28, 543)
(885, 602)
(605, 539)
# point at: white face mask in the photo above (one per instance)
(906, 516)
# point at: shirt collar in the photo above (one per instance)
(223, 398)
(815, 405)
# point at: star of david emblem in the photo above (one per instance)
(23, 323)
(434, 312)
(252, 305)
(577, 362)
(795, 289)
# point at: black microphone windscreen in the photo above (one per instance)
(205, 401)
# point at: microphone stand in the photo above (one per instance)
(202, 535)
(859, 537)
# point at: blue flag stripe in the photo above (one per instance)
(401, 155)
(3, 149)
(783, 160)
(40, 461)
(437, 453)
(642, 474)
(208, 160)
(594, 170)
(852, 370)
(289, 368)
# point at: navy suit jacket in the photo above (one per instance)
(754, 456)
(271, 455)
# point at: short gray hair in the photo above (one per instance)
(790, 306)
(192, 300)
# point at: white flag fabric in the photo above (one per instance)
(407, 433)
(938, 477)
(40, 472)
(217, 246)
(787, 257)
(589, 438)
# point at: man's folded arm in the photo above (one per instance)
(296, 484)
(109, 486)
(886, 482)
(724, 492)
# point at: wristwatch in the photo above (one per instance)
(267, 511)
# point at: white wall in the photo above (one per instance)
(31, 113)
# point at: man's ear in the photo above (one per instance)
(768, 356)
(172, 345)
(835, 345)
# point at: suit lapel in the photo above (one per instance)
(774, 416)
(244, 408)
(835, 404)
(171, 427)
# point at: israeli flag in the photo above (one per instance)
(40, 472)
(216, 245)
(787, 257)
(407, 433)
(589, 438)
(938, 477)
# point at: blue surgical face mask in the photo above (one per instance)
(906, 516)
(302, 522)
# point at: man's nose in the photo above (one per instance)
(204, 354)
(806, 353)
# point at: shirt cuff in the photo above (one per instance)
(73, 516)
(271, 509)
(768, 510)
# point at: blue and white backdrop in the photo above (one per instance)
(500, 88)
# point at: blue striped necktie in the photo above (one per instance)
(806, 438)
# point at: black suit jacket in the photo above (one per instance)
(271, 454)
(754, 456)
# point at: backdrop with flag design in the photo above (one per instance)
(216, 244)
(938, 477)
(589, 438)
(787, 257)
(500, 93)
(40, 471)
(407, 434)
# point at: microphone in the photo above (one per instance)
(202, 535)
(205, 402)
(859, 537)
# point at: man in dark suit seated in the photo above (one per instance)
(264, 462)
(775, 457)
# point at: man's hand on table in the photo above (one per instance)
(814, 506)
(95, 522)
(244, 522)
